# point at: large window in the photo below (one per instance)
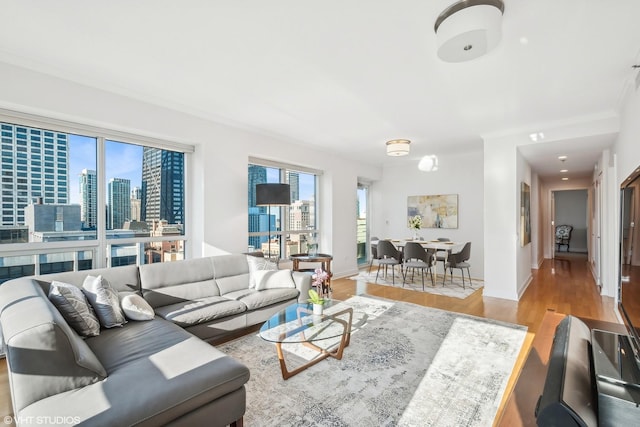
(63, 211)
(280, 231)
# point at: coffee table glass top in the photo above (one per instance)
(297, 324)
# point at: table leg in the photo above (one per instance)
(323, 353)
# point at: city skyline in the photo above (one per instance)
(122, 160)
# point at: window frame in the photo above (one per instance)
(285, 229)
(101, 244)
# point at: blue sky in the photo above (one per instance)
(122, 161)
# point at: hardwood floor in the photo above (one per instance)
(564, 285)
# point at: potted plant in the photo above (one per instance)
(316, 300)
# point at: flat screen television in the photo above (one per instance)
(629, 283)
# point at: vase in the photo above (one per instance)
(317, 309)
(415, 235)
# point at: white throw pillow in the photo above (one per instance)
(136, 308)
(104, 300)
(269, 279)
(258, 264)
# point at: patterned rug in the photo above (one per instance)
(451, 288)
(406, 365)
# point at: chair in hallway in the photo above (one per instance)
(459, 260)
(416, 257)
(563, 236)
(388, 255)
(374, 251)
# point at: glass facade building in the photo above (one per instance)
(162, 185)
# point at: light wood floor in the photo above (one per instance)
(563, 285)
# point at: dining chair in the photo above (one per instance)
(415, 256)
(459, 260)
(443, 255)
(388, 255)
(373, 250)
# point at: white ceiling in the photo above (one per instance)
(345, 76)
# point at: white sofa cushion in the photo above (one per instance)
(267, 279)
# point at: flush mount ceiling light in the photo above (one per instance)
(428, 163)
(468, 29)
(398, 147)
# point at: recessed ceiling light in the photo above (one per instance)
(536, 136)
(565, 179)
(562, 158)
(563, 171)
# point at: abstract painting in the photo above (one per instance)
(437, 211)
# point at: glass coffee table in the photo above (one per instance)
(297, 324)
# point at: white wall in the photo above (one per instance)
(458, 173)
(217, 172)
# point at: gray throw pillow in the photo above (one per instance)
(104, 300)
(73, 305)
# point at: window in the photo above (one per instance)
(282, 231)
(140, 200)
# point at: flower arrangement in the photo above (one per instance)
(319, 277)
(415, 222)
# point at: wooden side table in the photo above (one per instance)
(325, 264)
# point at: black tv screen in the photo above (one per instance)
(629, 290)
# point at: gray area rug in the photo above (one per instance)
(406, 365)
(452, 287)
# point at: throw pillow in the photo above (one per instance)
(258, 264)
(136, 308)
(104, 300)
(269, 279)
(74, 307)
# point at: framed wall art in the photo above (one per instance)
(437, 211)
(525, 214)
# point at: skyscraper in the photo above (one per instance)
(88, 198)
(35, 164)
(119, 205)
(257, 175)
(136, 196)
(258, 218)
(293, 178)
(162, 185)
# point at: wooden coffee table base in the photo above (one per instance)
(323, 353)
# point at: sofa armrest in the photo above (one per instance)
(303, 284)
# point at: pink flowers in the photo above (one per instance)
(319, 276)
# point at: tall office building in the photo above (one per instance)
(35, 164)
(119, 205)
(258, 218)
(136, 206)
(257, 175)
(162, 185)
(88, 198)
(293, 178)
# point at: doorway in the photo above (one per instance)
(570, 208)
(362, 224)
